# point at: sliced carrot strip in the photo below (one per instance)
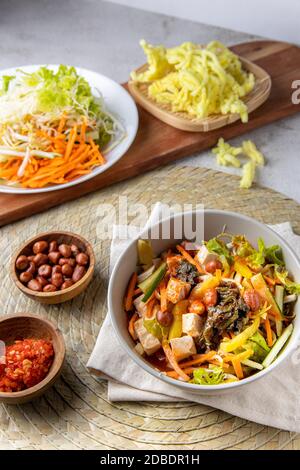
(198, 359)
(238, 368)
(132, 321)
(189, 258)
(129, 296)
(173, 362)
(269, 332)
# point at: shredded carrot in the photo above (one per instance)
(77, 158)
(198, 359)
(238, 368)
(189, 258)
(173, 362)
(62, 123)
(269, 332)
(163, 296)
(70, 144)
(132, 321)
(137, 291)
(150, 306)
(269, 280)
(83, 130)
(175, 375)
(130, 291)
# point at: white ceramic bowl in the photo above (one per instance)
(214, 221)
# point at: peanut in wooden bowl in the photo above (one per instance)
(60, 295)
(24, 326)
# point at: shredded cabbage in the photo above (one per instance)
(200, 81)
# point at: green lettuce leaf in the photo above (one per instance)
(291, 286)
(219, 247)
(271, 254)
(212, 376)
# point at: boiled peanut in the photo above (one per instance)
(57, 279)
(26, 277)
(164, 318)
(65, 250)
(53, 246)
(213, 265)
(40, 259)
(32, 268)
(49, 288)
(42, 280)
(67, 283)
(22, 262)
(56, 269)
(70, 261)
(67, 270)
(75, 250)
(54, 256)
(210, 297)
(40, 247)
(252, 299)
(34, 285)
(82, 259)
(45, 270)
(78, 273)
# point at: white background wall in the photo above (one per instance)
(278, 19)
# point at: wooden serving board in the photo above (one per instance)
(157, 143)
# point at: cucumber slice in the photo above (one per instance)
(279, 294)
(252, 364)
(278, 346)
(149, 285)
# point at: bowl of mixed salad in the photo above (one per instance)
(60, 126)
(208, 315)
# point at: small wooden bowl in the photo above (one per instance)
(60, 295)
(25, 325)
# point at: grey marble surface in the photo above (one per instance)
(104, 37)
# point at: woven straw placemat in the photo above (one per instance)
(75, 413)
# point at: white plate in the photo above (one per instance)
(118, 102)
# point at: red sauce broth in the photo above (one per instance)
(28, 362)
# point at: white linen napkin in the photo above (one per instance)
(273, 400)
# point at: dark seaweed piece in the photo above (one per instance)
(228, 315)
(187, 272)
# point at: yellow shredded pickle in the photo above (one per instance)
(251, 151)
(248, 175)
(200, 81)
(226, 154)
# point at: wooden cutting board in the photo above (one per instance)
(157, 143)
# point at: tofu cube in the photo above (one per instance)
(173, 263)
(191, 324)
(177, 290)
(149, 342)
(140, 306)
(204, 256)
(183, 347)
